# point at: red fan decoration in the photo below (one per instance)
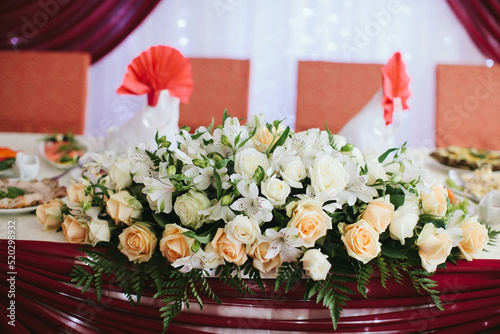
(156, 69)
(395, 82)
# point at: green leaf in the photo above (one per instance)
(218, 184)
(385, 154)
(281, 140)
(224, 117)
(202, 239)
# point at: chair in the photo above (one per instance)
(468, 106)
(333, 93)
(43, 91)
(218, 84)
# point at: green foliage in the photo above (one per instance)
(289, 273)
(230, 274)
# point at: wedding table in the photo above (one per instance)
(38, 297)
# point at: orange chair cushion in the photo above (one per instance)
(333, 93)
(468, 106)
(43, 91)
(218, 84)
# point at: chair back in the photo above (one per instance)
(332, 93)
(43, 91)
(468, 106)
(218, 84)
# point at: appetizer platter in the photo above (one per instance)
(21, 195)
(474, 185)
(62, 150)
(466, 158)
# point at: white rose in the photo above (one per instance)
(316, 264)
(98, 231)
(328, 176)
(403, 222)
(375, 171)
(242, 229)
(248, 160)
(275, 190)
(120, 174)
(293, 172)
(187, 206)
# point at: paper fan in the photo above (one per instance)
(156, 69)
(395, 82)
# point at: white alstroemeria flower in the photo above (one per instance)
(356, 188)
(253, 205)
(219, 211)
(160, 193)
(355, 155)
(194, 148)
(98, 161)
(457, 218)
(285, 241)
(183, 157)
(188, 263)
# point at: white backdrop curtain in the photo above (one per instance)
(275, 34)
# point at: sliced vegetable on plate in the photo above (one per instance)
(62, 150)
(7, 158)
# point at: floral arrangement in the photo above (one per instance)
(257, 201)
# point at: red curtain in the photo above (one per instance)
(93, 26)
(45, 302)
(481, 19)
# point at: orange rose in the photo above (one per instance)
(378, 213)
(76, 193)
(360, 240)
(434, 246)
(258, 252)
(138, 242)
(229, 251)
(475, 238)
(311, 221)
(50, 215)
(173, 244)
(123, 208)
(435, 202)
(73, 230)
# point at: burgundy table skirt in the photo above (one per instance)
(45, 302)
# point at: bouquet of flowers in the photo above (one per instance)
(257, 201)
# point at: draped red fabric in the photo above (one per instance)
(92, 26)
(481, 19)
(46, 301)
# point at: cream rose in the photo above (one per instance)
(73, 230)
(311, 221)
(229, 251)
(328, 176)
(248, 160)
(375, 171)
(187, 207)
(275, 190)
(210, 259)
(293, 172)
(98, 231)
(264, 138)
(378, 213)
(124, 208)
(258, 252)
(361, 240)
(475, 238)
(173, 244)
(138, 242)
(120, 174)
(434, 202)
(242, 229)
(316, 264)
(50, 215)
(76, 193)
(403, 223)
(434, 246)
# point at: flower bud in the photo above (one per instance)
(347, 148)
(200, 163)
(216, 157)
(225, 141)
(195, 247)
(226, 200)
(171, 170)
(396, 178)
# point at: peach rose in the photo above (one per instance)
(138, 242)
(76, 193)
(475, 238)
(173, 244)
(264, 138)
(361, 240)
(434, 202)
(378, 213)
(50, 215)
(434, 246)
(123, 208)
(258, 252)
(73, 230)
(311, 221)
(316, 264)
(229, 251)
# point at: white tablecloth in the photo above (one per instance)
(27, 228)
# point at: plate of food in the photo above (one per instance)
(19, 196)
(466, 158)
(474, 185)
(62, 150)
